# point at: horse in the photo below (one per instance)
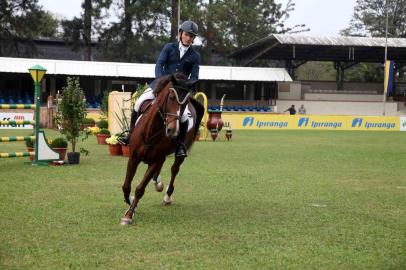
(154, 134)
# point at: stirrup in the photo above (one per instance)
(181, 150)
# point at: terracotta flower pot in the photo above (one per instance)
(61, 151)
(126, 150)
(115, 149)
(31, 149)
(101, 138)
(214, 124)
(215, 121)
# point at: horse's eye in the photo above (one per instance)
(171, 98)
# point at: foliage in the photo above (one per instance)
(103, 123)
(89, 121)
(72, 111)
(20, 22)
(319, 71)
(79, 30)
(104, 131)
(104, 107)
(59, 142)
(369, 19)
(313, 200)
(30, 142)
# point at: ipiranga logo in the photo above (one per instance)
(304, 122)
(402, 123)
(249, 122)
(365, 124)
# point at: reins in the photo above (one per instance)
(163, 115)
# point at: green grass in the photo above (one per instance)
(266, 200)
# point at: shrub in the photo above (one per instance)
(89, 121)
(104, 131)
(59, 142)
(103, 123)
(29, 142)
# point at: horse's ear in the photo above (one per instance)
(173, 80)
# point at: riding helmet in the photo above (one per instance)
(189, 27)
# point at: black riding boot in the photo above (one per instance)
(126, 140)
(181, 150)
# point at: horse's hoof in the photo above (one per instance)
(126, 221)
(159, 186)
(167, 200)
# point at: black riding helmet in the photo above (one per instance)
(189, 27)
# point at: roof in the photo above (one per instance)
(308, 48)
(134, 70)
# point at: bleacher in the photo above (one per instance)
(94, 102)
(8, 99)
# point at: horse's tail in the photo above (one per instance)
(199, 113)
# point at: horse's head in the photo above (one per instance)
(172, 101)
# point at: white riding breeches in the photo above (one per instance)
(149, 94)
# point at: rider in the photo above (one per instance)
(175, 57)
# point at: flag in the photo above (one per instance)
(389, 69)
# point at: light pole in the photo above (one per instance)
(37, 72)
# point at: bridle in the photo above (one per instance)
(165, 114)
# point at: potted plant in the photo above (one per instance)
(114, 146)
(125, 148)
(102, 136)
(60, 145)
(30, 146)
(103, 123)
(71, 115)
(88, 122)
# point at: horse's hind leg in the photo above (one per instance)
(139, 191)
(174, 171)
(132, 165)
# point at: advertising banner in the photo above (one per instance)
(16, 116)
(258, 121)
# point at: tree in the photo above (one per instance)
(140, 33)
(72, 111)
(79, 31)
(228, 25)
(369, 19)
(21, 21)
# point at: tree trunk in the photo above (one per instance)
(174, 19)
(127, 29)
(87, 30)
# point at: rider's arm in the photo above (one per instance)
(162, 60)
(194, 75)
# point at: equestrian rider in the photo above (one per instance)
(175, 57)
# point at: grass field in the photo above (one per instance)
(266, 200)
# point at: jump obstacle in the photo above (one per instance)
(42, 152)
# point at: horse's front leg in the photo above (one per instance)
(132, 165)
(159, 186)
(139, 191)
(174, 171)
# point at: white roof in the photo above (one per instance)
(134, 70)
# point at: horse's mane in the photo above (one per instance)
(164, 80)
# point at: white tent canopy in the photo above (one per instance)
(134, 70)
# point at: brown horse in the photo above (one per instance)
(153, 137)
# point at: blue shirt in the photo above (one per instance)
(169, 62)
